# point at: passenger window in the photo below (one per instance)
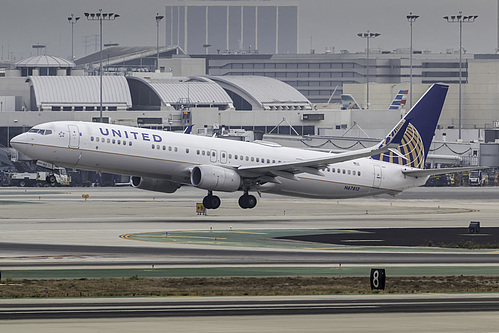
(198, 152)
(119, 142)
(164, 147)
(213, 153)
(349, 172)
(268, 161)
(358, 173)
(252, 159)
(169, 148)
(91, 138)
(157, 147)
(130, 143)
(203, 152)
(108, 140)
(153, 146)
(176, 149)
(114, 141)
(230, 156)
(187, 150)
(344, 171)
(124, 143)
(258, 159)
(247, 158)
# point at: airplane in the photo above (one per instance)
(164, 161)
(348, 102)
(399, 100)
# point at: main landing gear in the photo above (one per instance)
(211, 201)
(246, 201)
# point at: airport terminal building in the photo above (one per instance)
(293, 94)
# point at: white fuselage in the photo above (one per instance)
(171, 156)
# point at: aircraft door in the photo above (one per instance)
(74, 136)
(377, 176)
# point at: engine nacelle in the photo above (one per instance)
(215, 178)
(153, 184)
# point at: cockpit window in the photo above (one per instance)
(40, 131)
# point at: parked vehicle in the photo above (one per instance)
(42, 178)
(475, 178)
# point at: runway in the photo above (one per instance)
(242, 306)
(56, 229)
(388, 313)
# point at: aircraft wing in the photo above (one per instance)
(312, 166)
(288, 170)
(431, 172)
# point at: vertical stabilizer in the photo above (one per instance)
(419, 126)
(348, 102)
(399, 100)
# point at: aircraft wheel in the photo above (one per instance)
(207, 202)
(242, 202)
(215, 202)
(251, 201)
(247, 201)
(211, 202)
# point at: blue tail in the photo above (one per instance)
(422, 121)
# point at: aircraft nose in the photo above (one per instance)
(19, 142)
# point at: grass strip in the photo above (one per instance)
(241, 286)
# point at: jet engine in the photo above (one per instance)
(215, 178)
(153, 184)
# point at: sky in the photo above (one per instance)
(322, 23)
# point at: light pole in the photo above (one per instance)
(460, 19)
(411, 18)
(158, 19)
(368, 35)
(100, 16)
(72, 20)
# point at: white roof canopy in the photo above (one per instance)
(81, 91)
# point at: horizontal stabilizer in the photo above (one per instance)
(432, 172)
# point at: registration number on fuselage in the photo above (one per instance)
(352, 188)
